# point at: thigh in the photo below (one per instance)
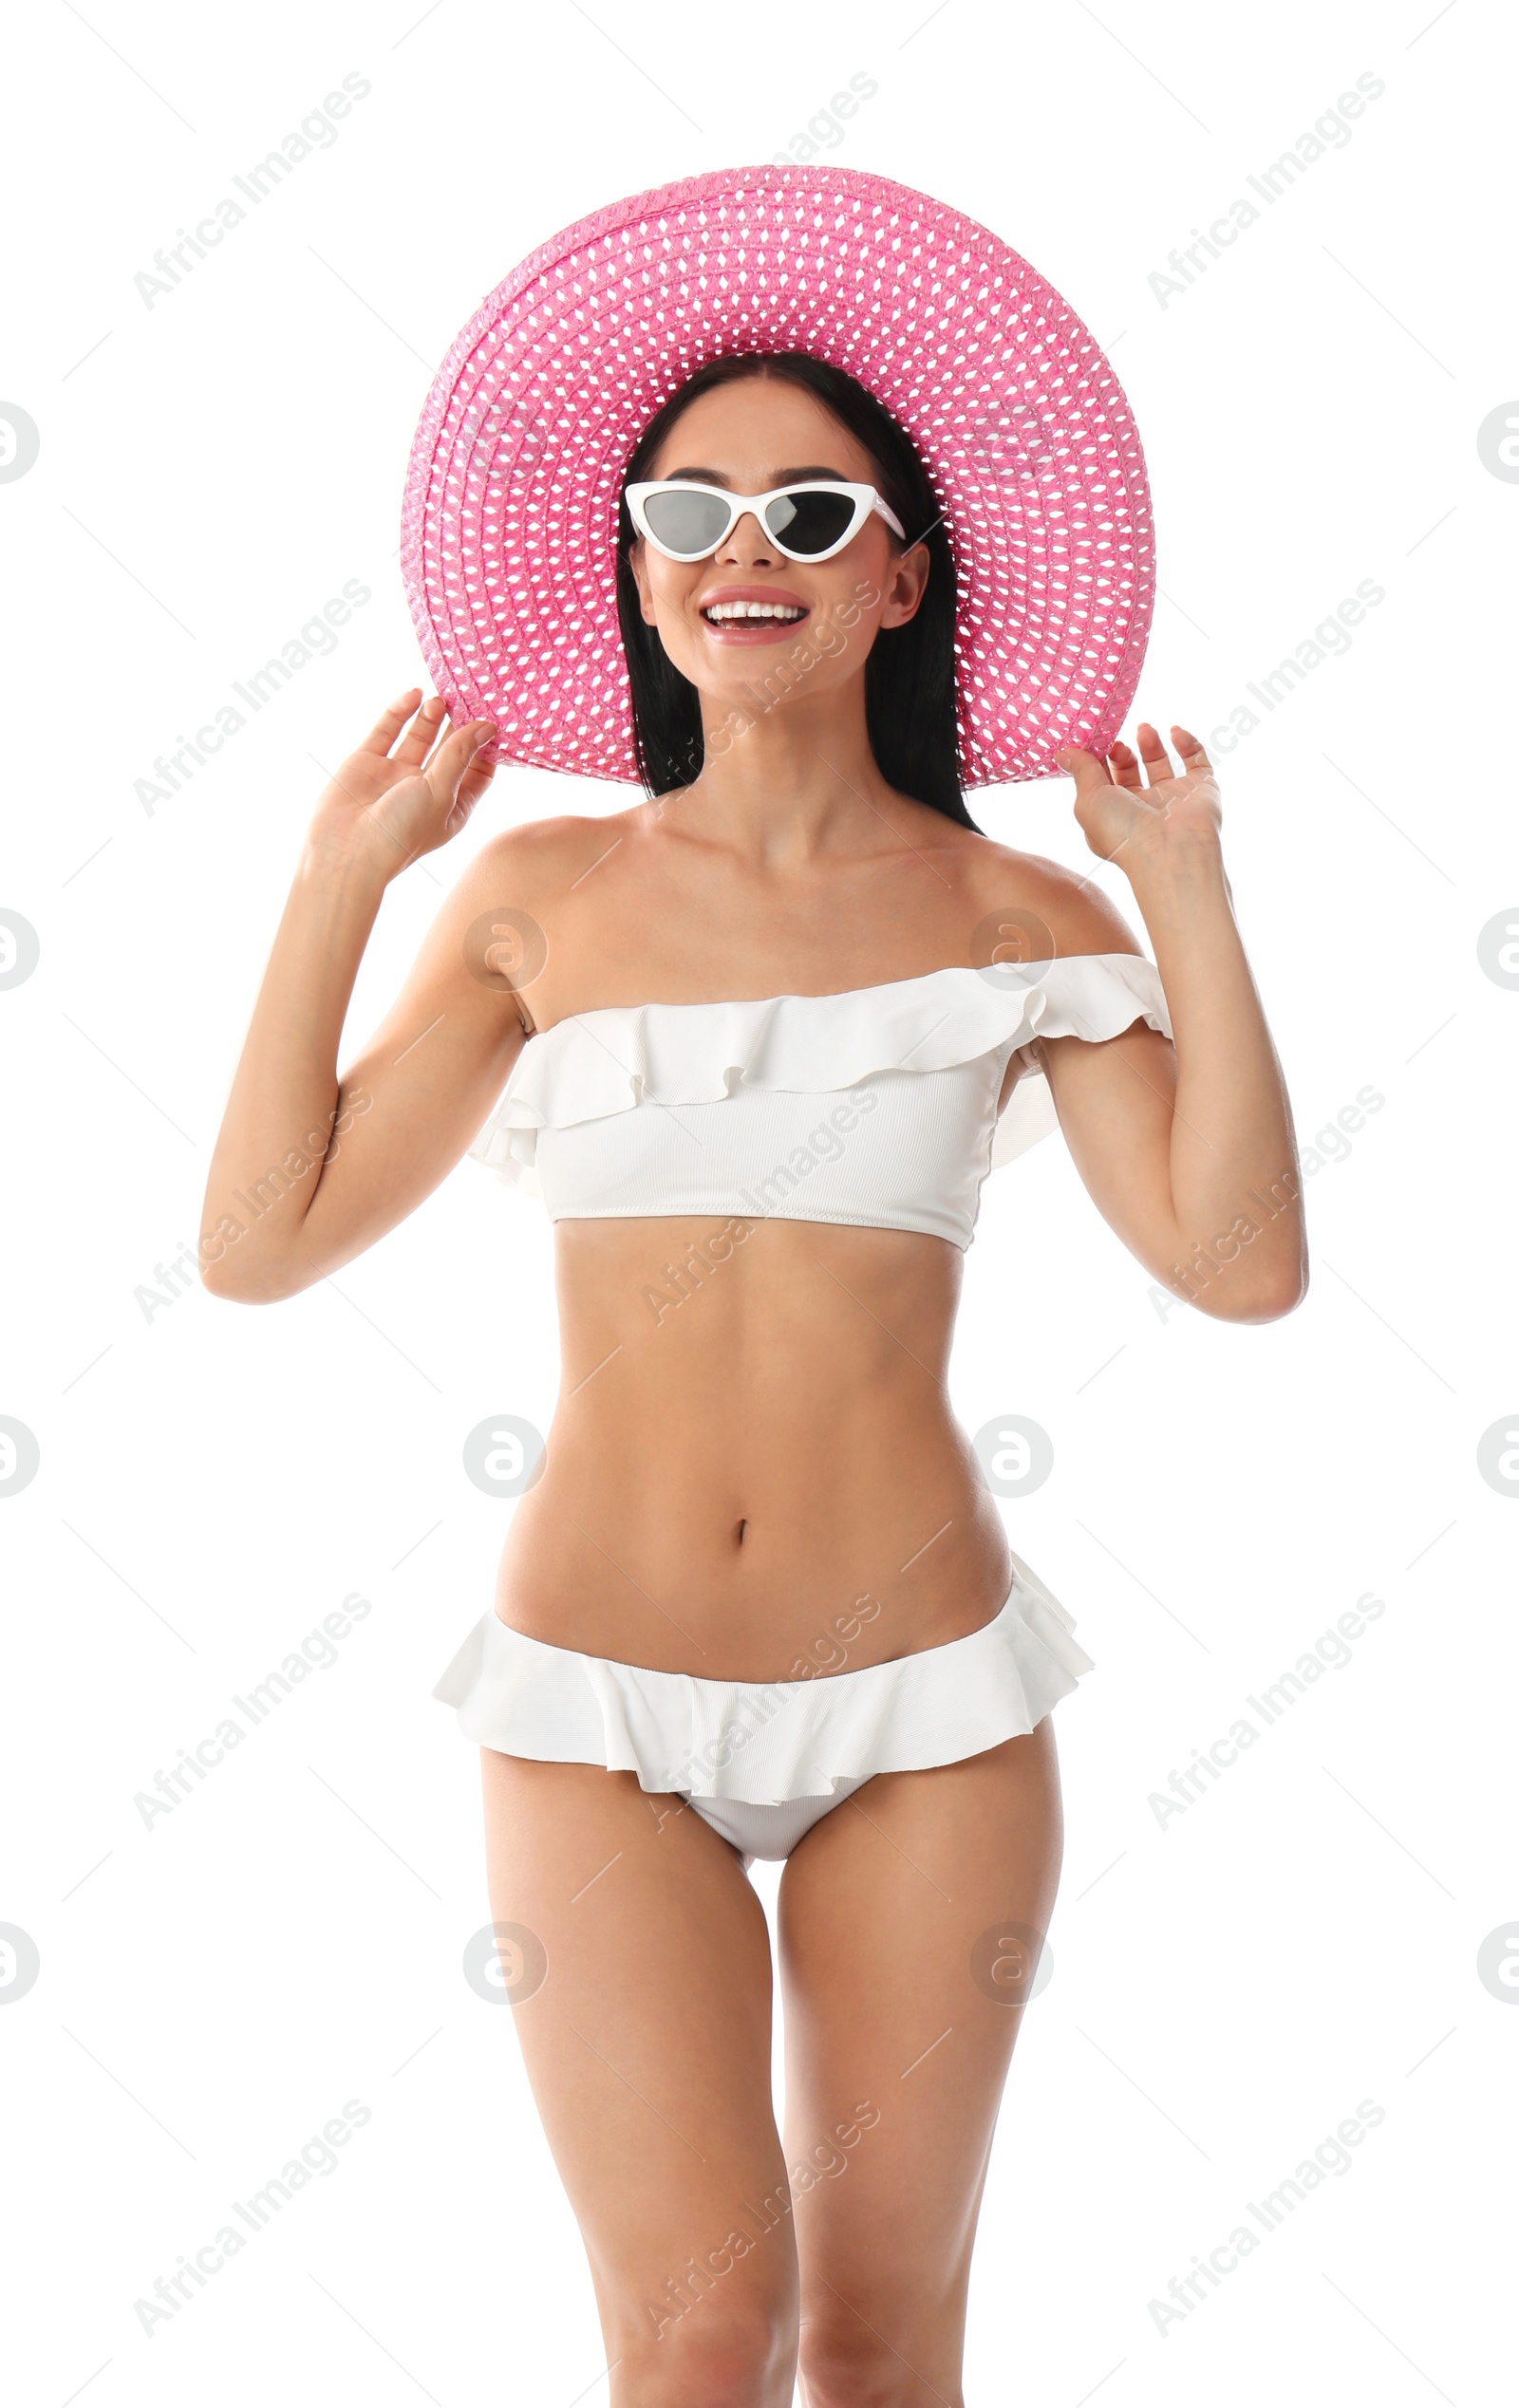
(647, 2045)
(903, 1916)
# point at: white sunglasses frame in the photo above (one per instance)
(865, 499)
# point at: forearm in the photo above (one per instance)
(285, 1102)
(1233, 1160)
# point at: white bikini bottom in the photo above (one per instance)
(762, 1761)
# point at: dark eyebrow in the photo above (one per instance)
(786, 477)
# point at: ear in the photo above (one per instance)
(905, 586)
(636, 563)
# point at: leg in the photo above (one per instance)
(647, 2047)
(898, 2036)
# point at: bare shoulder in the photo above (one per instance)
(1076, 911)
(532, 864)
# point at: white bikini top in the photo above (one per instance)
(877, 1107)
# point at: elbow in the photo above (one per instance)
(1275, 1303)
(1238, 1277)
(1293, 1296)
(1270, 1296)
(248, 1280)
(262, 1259)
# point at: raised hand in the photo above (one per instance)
(1122, 814)
(392, 801)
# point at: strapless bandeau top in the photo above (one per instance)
(877, 1107)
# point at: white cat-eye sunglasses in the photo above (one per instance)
(807, 521)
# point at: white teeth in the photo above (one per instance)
(753, 610)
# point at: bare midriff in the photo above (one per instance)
(753, 1472)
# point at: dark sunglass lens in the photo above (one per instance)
(686, 522)
(809, 522)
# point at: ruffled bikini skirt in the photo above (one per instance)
(762, 1761)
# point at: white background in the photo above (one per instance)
(1228, 1984)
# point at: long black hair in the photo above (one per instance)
(910, 674)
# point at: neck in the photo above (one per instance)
(785, 781)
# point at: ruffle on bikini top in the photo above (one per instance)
(767, 1743)
(613, 1060)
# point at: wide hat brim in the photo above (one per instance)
(509, 524)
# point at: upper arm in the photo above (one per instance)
(1115, 1100)
(1115, 1097)
(413, 1099)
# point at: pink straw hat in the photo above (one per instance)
(509, 526)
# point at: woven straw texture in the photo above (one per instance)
(510, 515)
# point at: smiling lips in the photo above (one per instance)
(752, 614)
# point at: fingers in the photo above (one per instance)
(389, 724)
(1088, 771)
(418, 741)
(452, 758)
(1124, 763)
(1193, 755)
(477, 776)
(445, 733)
(1154, 755)
(425, 727)
(457, 774)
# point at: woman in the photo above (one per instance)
(754, 1033)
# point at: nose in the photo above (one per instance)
(748, 544)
